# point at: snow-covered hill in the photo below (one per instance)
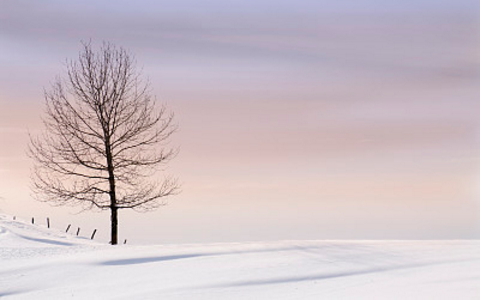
(41, 263)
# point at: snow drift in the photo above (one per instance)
(41, 263)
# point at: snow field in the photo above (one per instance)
(41, 263)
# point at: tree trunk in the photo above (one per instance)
(112, 194)
(113, 206)
(114, 225)
(114, 209)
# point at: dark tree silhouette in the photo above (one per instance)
(105, 138)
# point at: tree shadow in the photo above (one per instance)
(143, 260)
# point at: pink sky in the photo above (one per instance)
(311, 123)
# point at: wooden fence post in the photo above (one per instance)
(78, 229)
(48, 223)
(93, 233)
(68, 226)
(32, 220)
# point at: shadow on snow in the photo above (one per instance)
(46, 241)
(143, 260)
(323, 276)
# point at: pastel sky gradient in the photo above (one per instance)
(298, 119)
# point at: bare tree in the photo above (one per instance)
(105, 138)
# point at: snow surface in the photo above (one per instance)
(41, 263)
